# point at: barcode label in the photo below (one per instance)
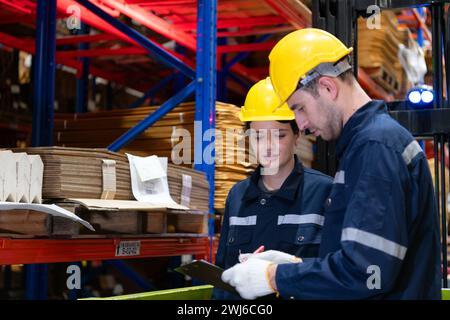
(128, 248)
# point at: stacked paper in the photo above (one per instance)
(23, 181)
(8, 176)
(83, 173)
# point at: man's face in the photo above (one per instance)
(319, 116)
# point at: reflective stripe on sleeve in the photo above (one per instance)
(374, 241)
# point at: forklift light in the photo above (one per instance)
(427, 96)
(414, 97)
(420, 97)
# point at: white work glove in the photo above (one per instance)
(250, 278)
(272, 256)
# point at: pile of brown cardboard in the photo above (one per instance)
(164, 138)
(80, 173)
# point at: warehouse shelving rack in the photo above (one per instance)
(102, 16)
(14, 251)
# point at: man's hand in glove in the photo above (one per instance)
(250, 278)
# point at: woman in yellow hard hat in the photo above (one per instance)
(280, 205)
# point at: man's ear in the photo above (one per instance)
(298, 136)
(328, 86)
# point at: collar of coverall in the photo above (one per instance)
(288, 189)
(356, 122)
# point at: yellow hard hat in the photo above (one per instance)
(261, 102)
(298, 53)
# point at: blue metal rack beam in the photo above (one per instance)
(153, 90)
(83, 80)
(151, 119)
(36, 281)
(43, 114)
(159, 53)
(206, 93)
(44, 73)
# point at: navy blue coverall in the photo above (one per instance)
(380, 238)
(290, 220)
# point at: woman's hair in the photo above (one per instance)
(293, 124)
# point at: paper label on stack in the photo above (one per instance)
(108, 179)
(154, 190)
(186, 190)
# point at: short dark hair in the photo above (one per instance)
(293, 124)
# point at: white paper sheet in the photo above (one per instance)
(8, 176)
(154, 191)
(149, 168)
(51, 209)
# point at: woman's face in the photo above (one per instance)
(273, 143)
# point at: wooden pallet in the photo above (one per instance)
(171, 222)
(35, 224)
(141, 223)
(107, 223)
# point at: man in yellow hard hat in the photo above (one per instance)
(380, 238)
(280, 205)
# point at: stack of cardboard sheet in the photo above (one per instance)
(99, 129)
(80, 173)
(233, 162)
(378, 48)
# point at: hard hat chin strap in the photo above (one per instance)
(330, 69)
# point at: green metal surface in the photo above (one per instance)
(189, 293)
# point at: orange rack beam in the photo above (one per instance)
(26, 251)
